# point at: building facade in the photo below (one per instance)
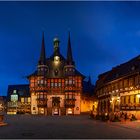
(18, 99)
(89, 101)
(119, 89)
(56, 85)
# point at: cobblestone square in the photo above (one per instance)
(28, 126)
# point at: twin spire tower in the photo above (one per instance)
(42, 59)
(43, 63)
(56, 84)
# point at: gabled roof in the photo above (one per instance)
(3, 98)
(22, 90)
(33, 74)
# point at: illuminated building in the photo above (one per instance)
(56, 86)
(88, 99)
(119, 88)
(18, 99)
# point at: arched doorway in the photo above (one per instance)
(55, 105)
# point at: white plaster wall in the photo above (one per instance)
(49, 102)
(34, 104)
(62, 99)
(77, 104)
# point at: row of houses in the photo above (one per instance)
(56, 87)
(119, 89)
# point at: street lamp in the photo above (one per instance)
(118, 99)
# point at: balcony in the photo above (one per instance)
(41, 102)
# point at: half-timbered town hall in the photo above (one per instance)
(56, 84)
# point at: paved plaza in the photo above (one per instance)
(28, 126)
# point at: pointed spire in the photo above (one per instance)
(42, 60)
(69, 52)
(89, 80)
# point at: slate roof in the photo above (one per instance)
(33, 74)
(50, 61)
(125, 69)
(88, 87)
(76, 73)
(22, 90)
(3, 98)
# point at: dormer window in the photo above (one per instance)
(133, 68)
(41, 82)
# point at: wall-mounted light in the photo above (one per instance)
(56, 58)
(138, 95)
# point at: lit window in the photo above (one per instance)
(14, 98)
(69, 111)
(66, 96)
(22, 100)
(41, 81)
(29, 99)
(55, 84)
(66, 82)
(45, 82)
(41, 96)
(70, 82)
(51, 84)
(14, 91)
(70, 96)
(73, 81)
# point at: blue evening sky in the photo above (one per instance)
(103, 35)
